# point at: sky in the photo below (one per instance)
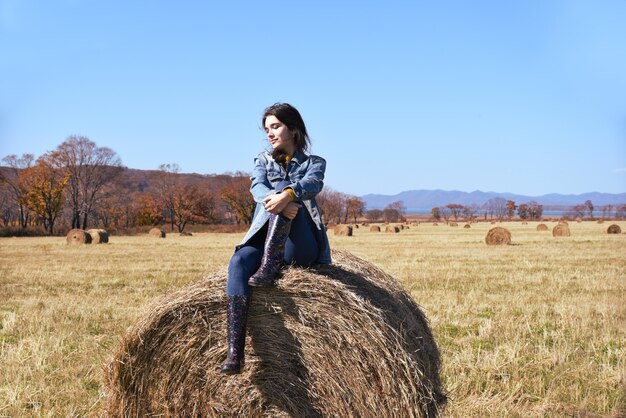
(522, 97)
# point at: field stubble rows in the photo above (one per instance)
(531, 329)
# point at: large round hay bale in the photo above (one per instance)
(614, 229)
(561, 230)
(78, 236)
(467, 226)
(392, 229)
(157, 233)
(498, 236)
(343, 230)
(542, 227)
(332, 341)
(98, 236)
(374, 228)
(401, 227)
(453, 224)
(186, 234)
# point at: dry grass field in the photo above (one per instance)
(536, 328)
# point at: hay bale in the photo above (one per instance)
(542, 227)
(374, 228)
(339, 340)
(434, 223)
(365, 224)
(77, 237)
(98, 236)
(614, 229)
(498, 236)
(392, 229)
(600, 221)
(563, 222)
(157, 233)
(356, 226)
(454, 224)
(467, 226)
(561, 230)
(400, 226)
(186, 234)
(524, 223)
(343, 230)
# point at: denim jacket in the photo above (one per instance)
(306, 174)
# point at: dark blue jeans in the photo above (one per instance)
(301, 249)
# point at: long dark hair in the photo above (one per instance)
(290, 116)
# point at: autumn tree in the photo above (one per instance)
(14, 179)
(238, 199)
(435, 213)
(191, 205)
(46, 183)
(7, 214)
(331, 204)
(355, 206)
(455, 209)
(469, 212)
(510, 208)
(90, 168)
(394, 211)
(149, 212)
(522, 211)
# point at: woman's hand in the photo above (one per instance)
(291, 210)
(276, 203)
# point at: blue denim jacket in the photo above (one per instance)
(306, 174)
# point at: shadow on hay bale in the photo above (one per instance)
(498, 236)
(542, 227)
(157, 233)
(98, 236)
(340, 340)
(561, 230)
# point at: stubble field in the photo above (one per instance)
(537, 328)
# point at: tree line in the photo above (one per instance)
(83, 185)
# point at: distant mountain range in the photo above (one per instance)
(415, 200)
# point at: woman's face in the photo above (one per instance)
(279, 135)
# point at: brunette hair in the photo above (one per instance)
(290, 116)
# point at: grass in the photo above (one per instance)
(536, 328)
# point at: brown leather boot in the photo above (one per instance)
(236, 317)
(273, 253)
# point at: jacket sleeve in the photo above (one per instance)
(260, 187)
(312, 181)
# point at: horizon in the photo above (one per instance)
(481, 96)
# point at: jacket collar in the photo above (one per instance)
(299, 157)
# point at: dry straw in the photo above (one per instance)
(341, 340)
(392, 229)
(561, 230)
(157, 233)
(467, 226)
(98, 236)
(343, 230)
(374, 228)
(78, 236)
(542, 227)
(498, 236)
(614, 229)
(186, 234)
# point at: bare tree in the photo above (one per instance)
(355, 206)
(374, 215)
(497, 207)
(332, 205)
(589, 206)
(90, 168)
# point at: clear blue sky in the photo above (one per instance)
(525, 97)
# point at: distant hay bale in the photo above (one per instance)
(467, 226)
(498, 236)
(434, 223)
(186, 234)
(157, 233)
(392, 229)
(77, 237)
(600, 221)
(542, 227)
(340, 340)
(493, 222)
(524, 223)
(374, 228)
(563, 222)
(343, 230)
(98, 236)
(400, 226)
(365, 224)
(614, 229)
(561, 230)
(453, 224)
(407, 227)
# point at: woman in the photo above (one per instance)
(286, 226)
